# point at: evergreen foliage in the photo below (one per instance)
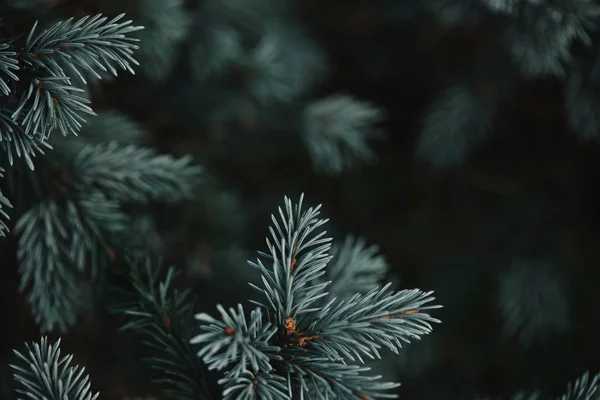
(295, 344)
(76, 222)
(98, 179)
(533, 302)
(36, 73)
(336, 129)
(471, 118)
(532, 40)
(4, 203)
(300, 337)
(43, 374)
(162, 316)
(355, 267)
(41, 70)
(583, 388)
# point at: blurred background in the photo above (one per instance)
(413, 127)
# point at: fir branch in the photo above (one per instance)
(354, 268)
(103, 44)
(364, 323)
(309, 345)
(284, 64)
(4, 202)
(233, 340)
(298, 255)
(541, 35)
(162, 316)
(254, 386)
(8, 64)
(532, 301)
(53, 293)
(50, 103)
(17, 143)
(335, 130)
(44, 374)
(583, 388)
(47, 100)
(215, 49)
(456, 123)
(135, 174)
(320, 378)
(56, 243)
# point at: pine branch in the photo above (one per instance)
(87, 44)
(318, 377)
(44, 374)
(354, 268)
(4, 202)
(335, 130)
(583, 388)
(455, 124)
(308, 345)
(254, 386)
(298, 255)
(45, 97)
(17, 143)
(541, 35)
(8, 64)
(49, 103)
(135, 174)
(364, 323)
(532, 302)
(233, 340)
(53, 293)
(162, 316)
(284, 64)
(215, 49)
(58, 242)
(82, 224)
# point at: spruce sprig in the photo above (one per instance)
(310, 345)
(43, 374)
(161, 315)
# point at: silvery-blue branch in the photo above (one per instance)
(298, 254)
(584, 388)
(336, 129)
(541, 33)
(161, 314)
(533, 301)
(43, 374)
(254, 386)
(4, 203)
(456, 123)
(300, 341)
(355, 267)
(233, 340)
(36, 77)
(363, 324)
